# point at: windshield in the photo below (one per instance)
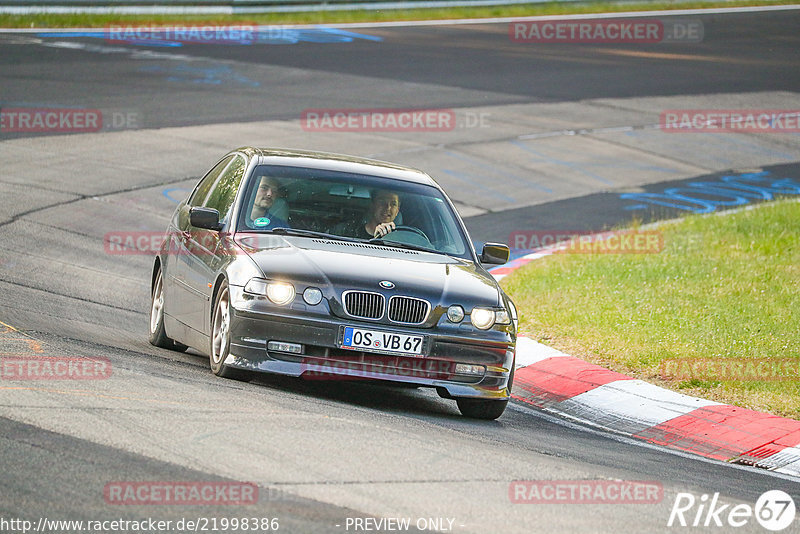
(346, 205)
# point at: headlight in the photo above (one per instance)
(278, 292)
(455, 313)
(482, 318)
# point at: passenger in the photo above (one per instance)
(269, 210)
(378, 219)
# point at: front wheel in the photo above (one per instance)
(221, 337)
(486, 409)
(482, 409)
(158, 334)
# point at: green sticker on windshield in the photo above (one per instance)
(262, 221)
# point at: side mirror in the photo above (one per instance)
(495, 254)
(206, 218)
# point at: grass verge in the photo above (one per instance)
(724, 291)
(330, 17)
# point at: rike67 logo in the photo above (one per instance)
(774, 510)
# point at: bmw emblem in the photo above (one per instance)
(385, 284)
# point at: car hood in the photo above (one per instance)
(338, 266)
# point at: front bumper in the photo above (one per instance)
(253, 327)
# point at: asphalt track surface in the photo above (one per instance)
(320, 452)
(472, 65)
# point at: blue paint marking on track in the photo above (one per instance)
(493, 168)
(351, 35)
(754, 147)
(205, 75)
(168, 193)
(268, 35)
(615, 163)
(706, 197)
(565, 163)
(98, 35)
(478, 183)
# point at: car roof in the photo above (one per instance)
(337, 162)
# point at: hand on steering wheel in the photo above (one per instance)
(383, 229)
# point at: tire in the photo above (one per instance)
(485, 409)
(221, 338)
(482, 409)
(158, 334)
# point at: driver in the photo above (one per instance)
(269, 210)
(378, 219)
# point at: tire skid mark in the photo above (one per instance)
(98, 196)
(74, 297)
(33, 348)
(86, 393)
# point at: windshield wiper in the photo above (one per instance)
(384, 242)
(311, 233)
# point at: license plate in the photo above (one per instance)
(381, 341)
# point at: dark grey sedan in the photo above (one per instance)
(334, 267)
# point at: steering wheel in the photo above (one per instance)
(411, 229)
(413, 236)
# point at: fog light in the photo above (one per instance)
(280, 292)
(468, 369)
(482, 318)
(455, 313)
(312, 296)
(284, 346)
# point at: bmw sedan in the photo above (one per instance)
(329, 267)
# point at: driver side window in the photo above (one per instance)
(224, 192)
(218, 189)
(203, 189)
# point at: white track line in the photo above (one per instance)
(582, 427)
(630, 406)
(581, 16)
(530, 352)
(492, 20)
